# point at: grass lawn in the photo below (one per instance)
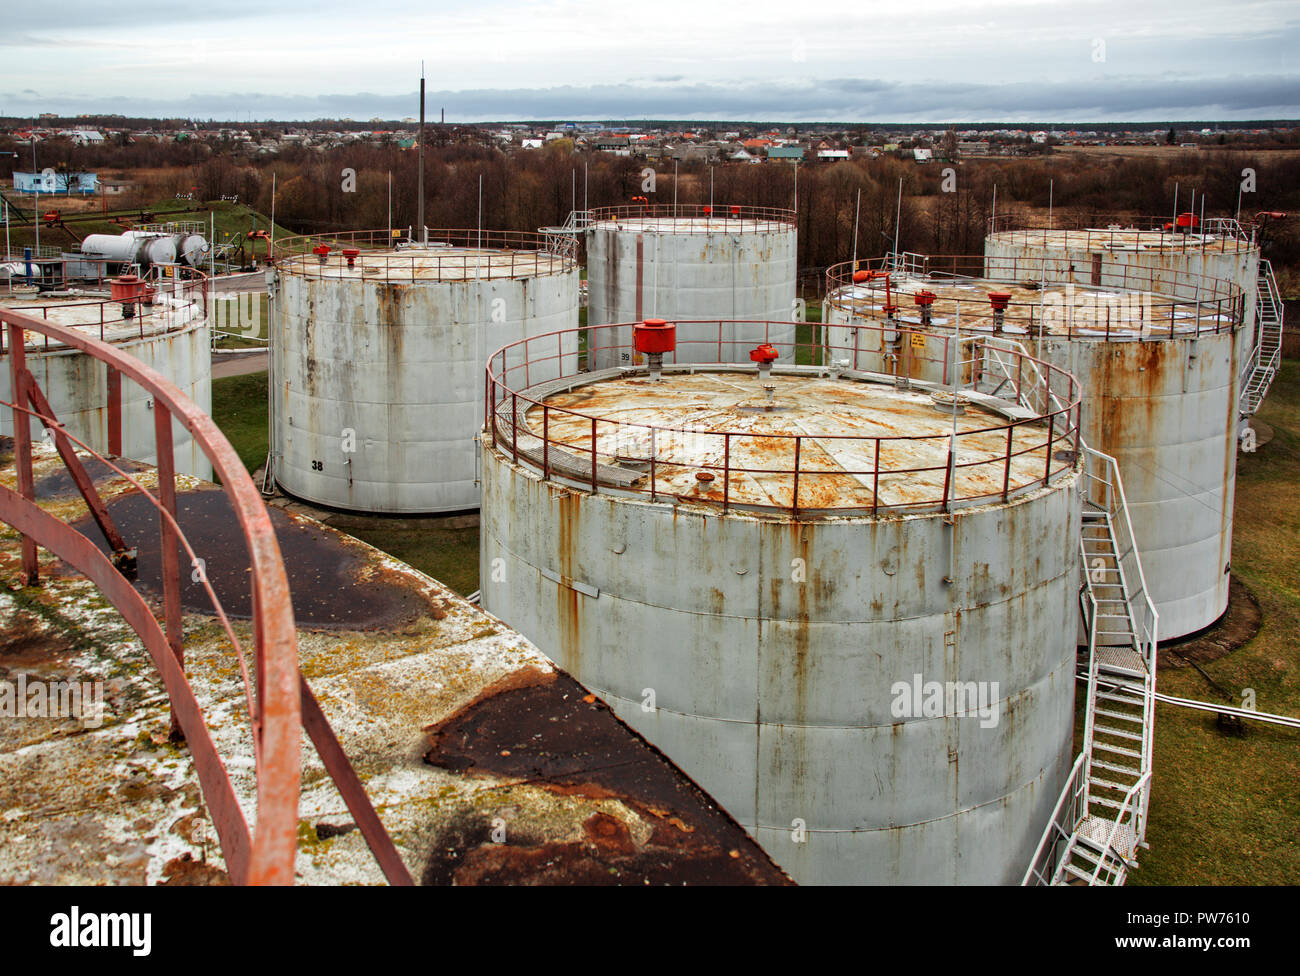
(239, 408)
(1226, 810)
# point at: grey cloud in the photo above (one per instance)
(848, 99)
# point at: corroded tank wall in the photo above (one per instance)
(688, 268)
(378, 384)
(77, 387)
(1165, 408)
(1167, 412)
(762, 654)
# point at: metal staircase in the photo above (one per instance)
(1100, 819)
(1266, 357)
(563, 240)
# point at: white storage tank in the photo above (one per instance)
(690, 262)
(165, 326)
(866, 656)
(1174, 254)
(1159, 376)
(377, 356)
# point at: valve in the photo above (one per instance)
(653, 338)
(764, 356)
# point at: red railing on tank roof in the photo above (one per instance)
(519, 375)
(695, 217)
(159, 303)
(1097, 229)
(397, 256)
(1212, 304)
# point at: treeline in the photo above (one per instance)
(944, 208)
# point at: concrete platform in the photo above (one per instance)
(486, 763)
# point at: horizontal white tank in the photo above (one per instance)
(377, 363)
(172, 336)
(777, 657)
(1160, 386)
(682, 262)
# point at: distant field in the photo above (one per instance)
(1169, 152)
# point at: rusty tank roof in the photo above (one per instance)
(433, 263)
(1125, 239)
(1078, 311)
(94, 313)
(862, 445)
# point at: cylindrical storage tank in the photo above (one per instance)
(112, 247)
(789, 592)
(719, 263)
(377, 357)
(170, 334)
(1160, 387)
(192, 249)
(1173, 258)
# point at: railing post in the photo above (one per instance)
(546, 440)
(726, 470)
(1006, 475)
(1051, 436)
(514, 426)
(875, 480)
(171, 581)
(593, 455)
(653, 453)
(798, 440)
(948, 472)
(22, 442)
(114, 412)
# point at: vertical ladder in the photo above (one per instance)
(1266, 357)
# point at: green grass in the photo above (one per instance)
(239, 408)
(449, 555)
(1226, 810)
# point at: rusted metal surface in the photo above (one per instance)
(557, 736)
(171, 334)
(1162, 400)
(762, 654)
(1125, 303)
(695, 217)
(723, 421)
(319, 565)
(76, 471)
(848, 443)
(1123, 237)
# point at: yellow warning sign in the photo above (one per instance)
(918, 340)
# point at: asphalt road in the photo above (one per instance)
(238, 363)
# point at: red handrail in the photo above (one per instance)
(508, 385)
(266, 857)
(1165, 291)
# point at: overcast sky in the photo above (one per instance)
(905, 61)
